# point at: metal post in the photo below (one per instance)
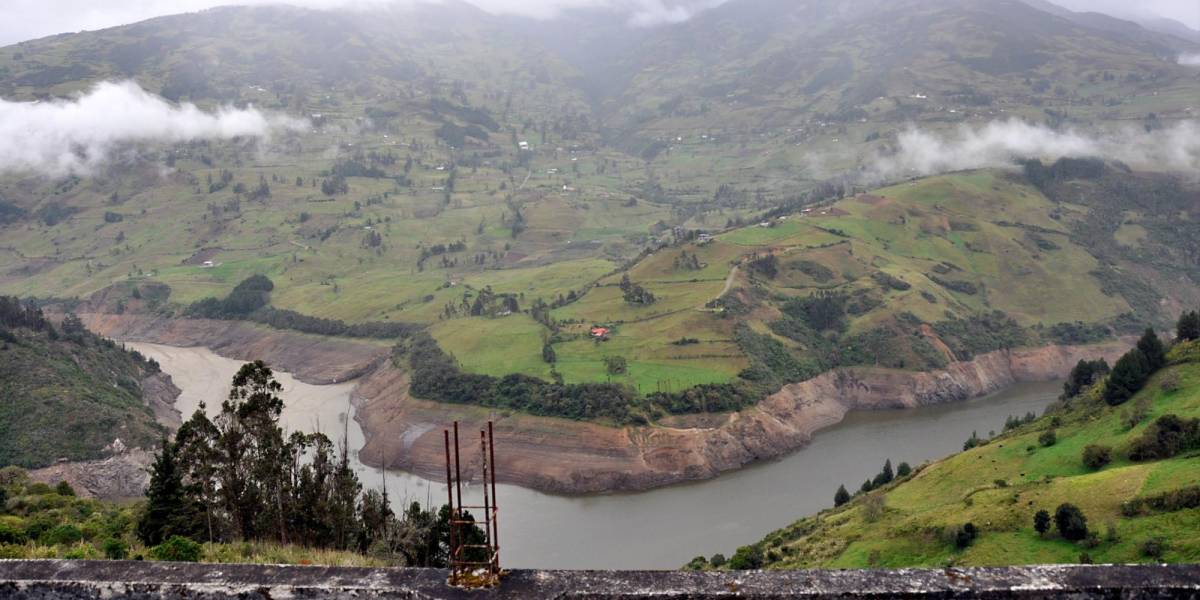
(487, 506)
(450, 492)
(495, 498)
(457, 474)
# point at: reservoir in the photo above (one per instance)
(662, 528)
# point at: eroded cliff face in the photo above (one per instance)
(578, 458)
(571, 457)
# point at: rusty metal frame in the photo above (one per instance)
(465, 572)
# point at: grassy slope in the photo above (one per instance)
(65, 399)
(588, 206)
(962, 488)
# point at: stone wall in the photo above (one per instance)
(69, 580)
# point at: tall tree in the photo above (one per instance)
(841, 497)
(167, 511)
(1127, 378)
(1188, 327)
(1152, 347)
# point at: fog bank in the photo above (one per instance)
(78, 135)
(1002, 143)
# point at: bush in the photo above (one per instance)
(965, 536)
(10, 534)
(177, 549)
(1048, 438)
(1170, 382)
(1096, 456)
(1180, 499)
(64, 489)
(696, 564)
(1154, 548)
(1071, 523)
(874, 507)
(115, 549)
(62, 535)
(1167, 436)
(747, 558)
(717, 560)
(903, 470)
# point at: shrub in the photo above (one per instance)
(64, 489)
(696, 564)
(717, 560)
(1096, 456)
(62, 535)
(1071, 523)
(965, 536)
(1154, 548)
(115, 549)
(10, 534)
(746, 558)
(1170, 382)
(903, 470)
(177, 549)
(1167, 436)
(1180, 499)
(873, 508)
(1048, 438)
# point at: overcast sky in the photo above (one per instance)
(29, 19)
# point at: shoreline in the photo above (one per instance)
(575, 458)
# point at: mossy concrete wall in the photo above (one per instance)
(70, 580)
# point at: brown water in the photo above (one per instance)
(658, 529)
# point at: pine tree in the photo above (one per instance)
(1041, 522)
(841, 497)
(166, 508)
(1152, 347)
(1188, 328)
(885, 476)
(1127, 377)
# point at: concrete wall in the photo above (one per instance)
(70, 580)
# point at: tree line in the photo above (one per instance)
(238, 477)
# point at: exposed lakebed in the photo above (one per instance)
(663, 528)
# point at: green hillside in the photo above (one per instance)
(1139, 505)
(65, 393)
(461, 176)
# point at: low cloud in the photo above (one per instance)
(79, 135)
(1189, 60)
(1002, 143)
